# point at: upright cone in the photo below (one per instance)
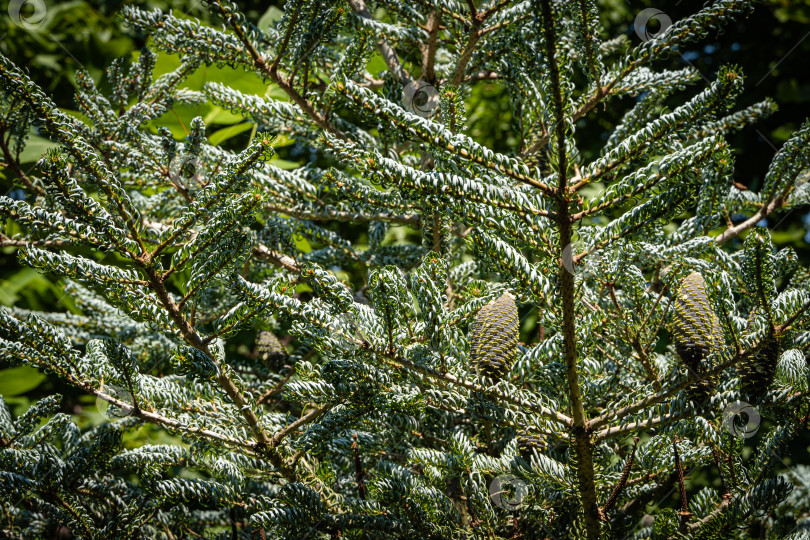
(494, 337)
(697, 333)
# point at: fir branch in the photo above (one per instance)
(429, 132)
(684, 513)
(381, 333)
(475, 34)
(64, 130)
(272, 73)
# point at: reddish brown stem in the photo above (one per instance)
(622, 481)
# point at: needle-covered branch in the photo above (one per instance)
(401, 276)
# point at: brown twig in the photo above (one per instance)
(276, 389)
(466, 54)
(735, 231)
(622, 481)
(586, 483)
(716, 457)
(306, 419)
(263, 252)
(429, 49)
(170, 423)
(684, 512)
(234, 528)
(358, 469)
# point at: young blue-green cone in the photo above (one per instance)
(757, 372)
(697, 333)
(494, 337)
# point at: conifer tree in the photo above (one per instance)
(385, 394)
